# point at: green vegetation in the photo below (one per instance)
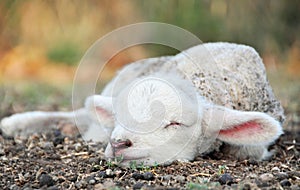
(65, 52)
(222, 169)
(32, 96)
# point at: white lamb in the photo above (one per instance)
(177, 107)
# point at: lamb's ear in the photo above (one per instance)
(245, 128)
(100, 109)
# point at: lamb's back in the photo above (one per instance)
(234, 76)
(225, 74)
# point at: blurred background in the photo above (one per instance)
(42, 42)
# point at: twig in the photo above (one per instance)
(203, 174)
(75, 154)
(122, 176)
(291, 143)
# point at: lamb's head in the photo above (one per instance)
(155, 119)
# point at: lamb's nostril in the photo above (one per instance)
(119, 144)
(128, 143)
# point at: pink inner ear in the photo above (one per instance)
(244, 130)
(103, 113)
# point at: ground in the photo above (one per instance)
(57, 161)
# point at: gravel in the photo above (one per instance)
(54, 161)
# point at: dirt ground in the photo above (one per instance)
(56, 161)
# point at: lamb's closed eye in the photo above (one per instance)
(174, 124)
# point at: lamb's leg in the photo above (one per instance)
(23, 124)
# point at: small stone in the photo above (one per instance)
(281, 176)
(53, 188)
(92, 181)
(180, 178)
(99, 186)
(14, 187)
(2, 153)
(266, 177)
(138, 185)
(58, 140)
(148, 176)
(94, 160)
(225, 179)
(275, 170)
(102, 174)
(27, 188)
(78, 147)
(47, 180)
(285, 183)
(108, 185)
(137, 176)
(293, 173)
(252, 175)
(167, 177)
(109, 173)
(27, 175)
(73, 178)
(247, 187)
(295, 187)
(81, 184)
(47, 145)
(95, 168)
(253, 162)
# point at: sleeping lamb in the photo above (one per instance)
(177, 107)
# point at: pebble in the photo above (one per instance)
(109, 172)
(94, 160)
(179, 178)
(225, 179)
(73, 178)
(167, 177)
(148, 176)
(58, 140)
(266, 177)
(27, 188)
(138, 185)
(253, 162)
(295, 187)
(102, 174)
(14, 187)
(81, 184)
(53, 188)
(293, 173)
(281, 175)
(137, 176)
(247, 187)
(275, 170)
(285, 183)
(27, 175)
(252, 175)
(78, 147)
(47, 180)
(92, 181)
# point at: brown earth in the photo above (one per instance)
(56, 161)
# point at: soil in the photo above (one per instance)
(56, 161)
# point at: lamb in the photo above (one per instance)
(170, 108)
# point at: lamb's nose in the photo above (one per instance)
(120, 144)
